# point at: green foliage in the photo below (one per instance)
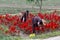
(2, 37)
(30, 0)
(36, 1)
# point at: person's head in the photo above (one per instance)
(27, 11)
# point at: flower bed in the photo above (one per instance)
(13, 23)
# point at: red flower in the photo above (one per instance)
(29, 28)
(31, 15)
(25, 24)
(12, 28)
(47, 26)
(0, 16)
(53, 25)
(21, 26)
(29, 21)
(42, 29)
(15, 23)
(37, 28)
(56, 18)
(0, 21)
(41, 15)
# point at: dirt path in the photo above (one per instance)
(23, 35)
(53, 38)
(28, 6)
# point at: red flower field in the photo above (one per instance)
(14, 23)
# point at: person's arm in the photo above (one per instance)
(38, 23)
(44, 22)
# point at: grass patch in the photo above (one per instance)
(8, 37)
(12, 10)
(2, 37)
(47, 35)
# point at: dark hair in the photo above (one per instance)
(27, 11)
(41, 22)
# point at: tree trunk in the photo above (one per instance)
(40, 6)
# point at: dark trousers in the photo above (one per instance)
(36, 25)
(33, 27)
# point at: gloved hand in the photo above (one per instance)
(32, 35)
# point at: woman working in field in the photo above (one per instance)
(37, 22)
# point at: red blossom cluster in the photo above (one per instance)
(13, 22)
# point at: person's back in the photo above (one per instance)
(36, 19)
(36, 22)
